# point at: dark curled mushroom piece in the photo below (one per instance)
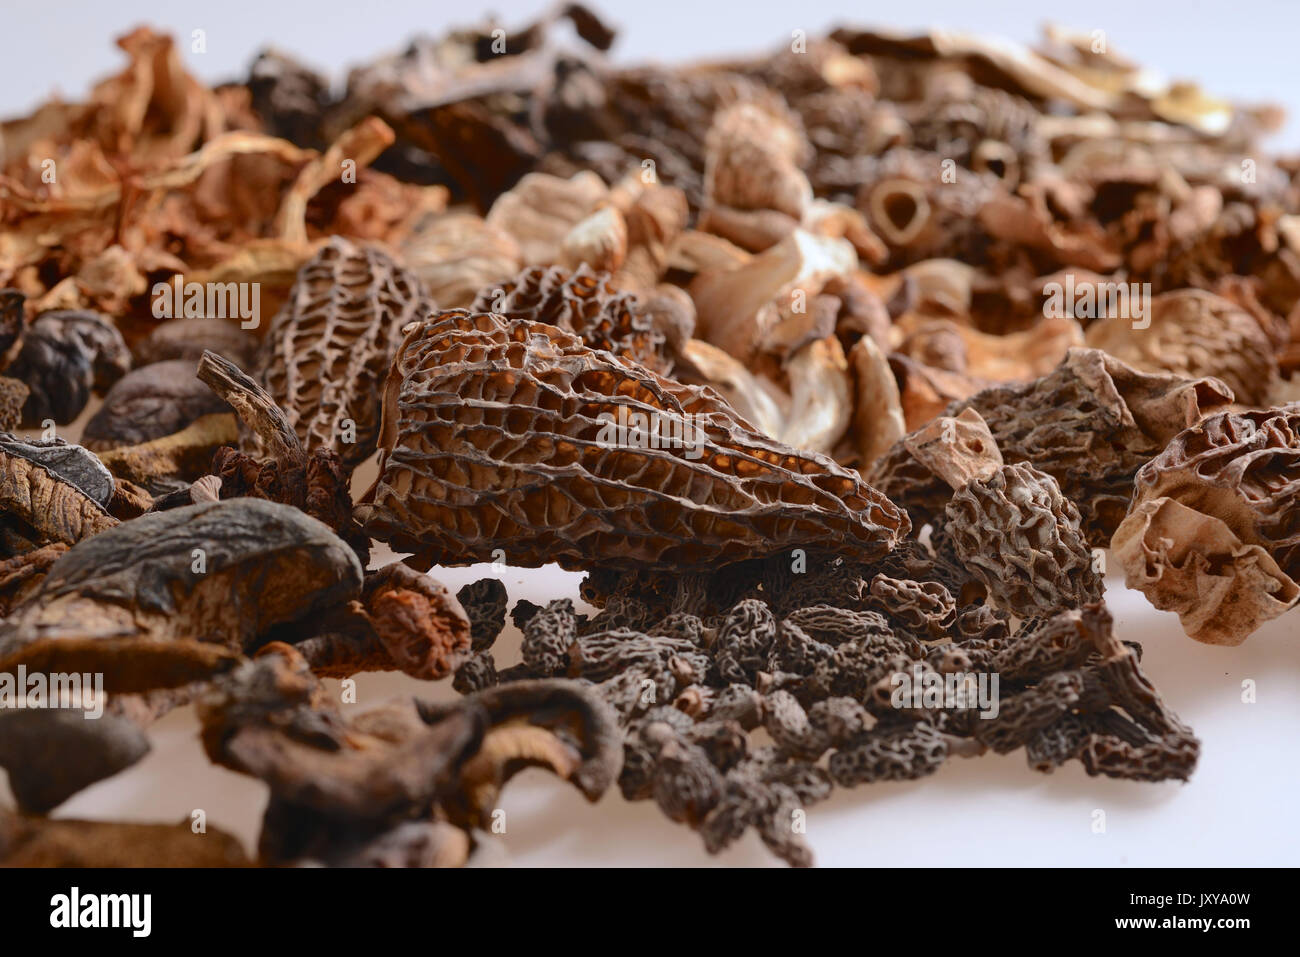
(314, 482)
(42, 842)
(485, 603)
(52, 491)
(354, 791)
(559, 725)
(65, 356)
(270, 718)
(176, 596)
(383, 786)
(554, 490)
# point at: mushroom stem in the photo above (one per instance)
(900, 210)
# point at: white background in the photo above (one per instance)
(1239, 807)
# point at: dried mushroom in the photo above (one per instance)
(150, 403)
(326, 353)
(51, 754)
(1211, 533)
(316, 483)
(52, 491)
(342, 788)
(1195, 333)
(515, 407)
(190, 338)
(583, 303)
(1009, 525)
(1090, 424)
(645, 322)
(176, 596)
(41, 842)
(65, 356)
(404, 621)
(458, 254)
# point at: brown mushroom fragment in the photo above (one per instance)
(326, 353)
(1195, 333)
(558, 725)
(457, 254)
(344, 788)
(53, 491)
(315, 482)
(163, 464)
(42, 842)
(65, 356)
(150, 403)
(269, 719)
(1211, 533)
(404, 621)
(1090, 424)
(176, 596)
(557, 484)
(21, 575)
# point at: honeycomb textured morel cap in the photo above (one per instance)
(508, 439)
(326, 353)
(584, 302)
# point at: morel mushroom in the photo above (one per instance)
(1195, 333)
(1211, 533)
(584, 303)
(1090, 424)
(326, 353)
(1009, 524)
(503, 437)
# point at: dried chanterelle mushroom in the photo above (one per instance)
(832, 370)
